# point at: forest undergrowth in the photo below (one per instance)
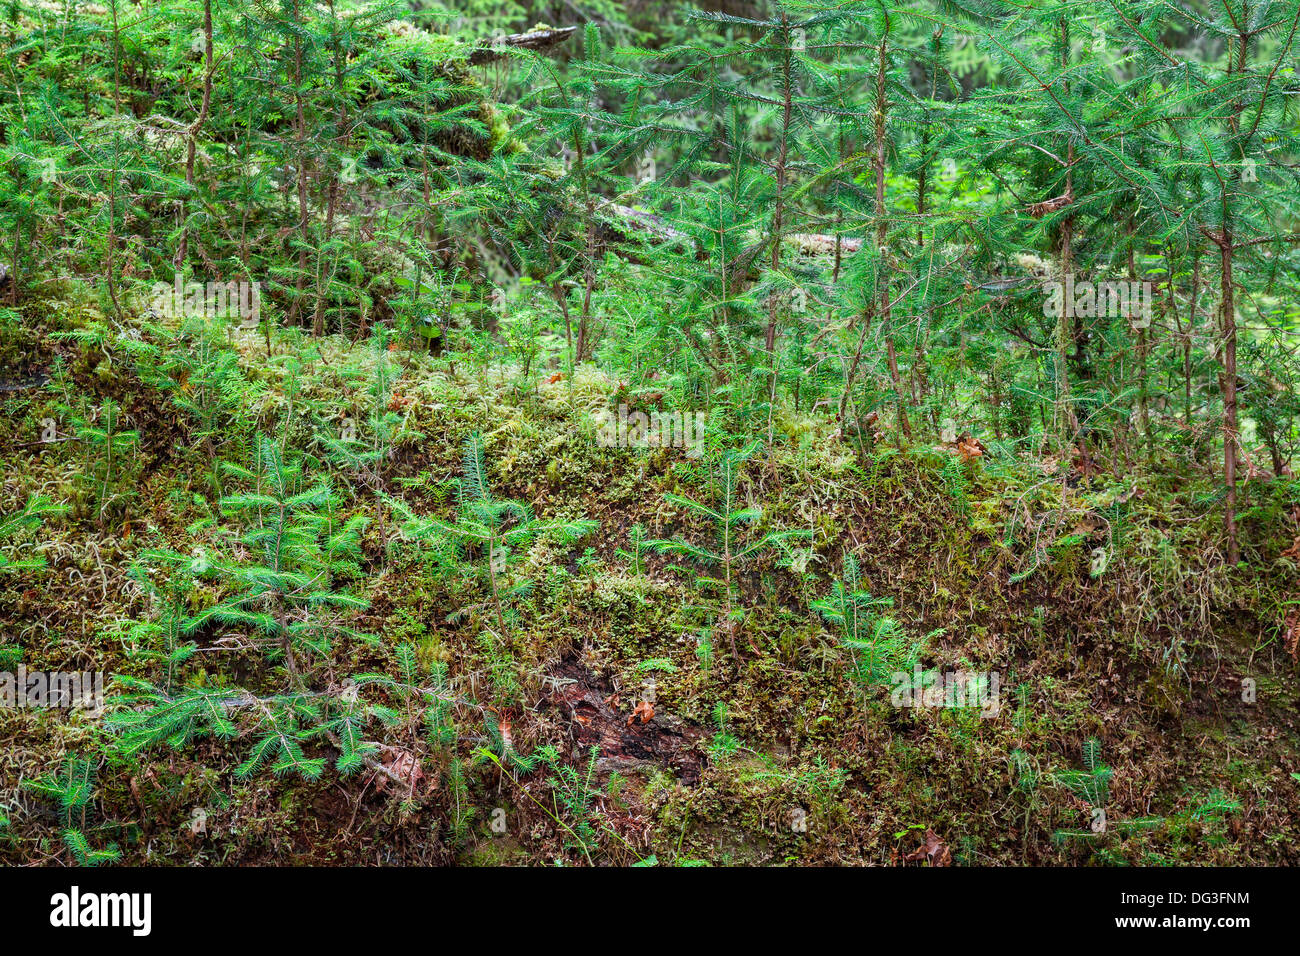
(773, 433)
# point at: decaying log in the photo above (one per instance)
(816, 244)
(495, 49)
(626, 224)
(622, 228)
(630, 734)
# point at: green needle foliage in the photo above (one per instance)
(108, 455)
(293, 548)
(489, 534)
(877, 644)
(166, 638)
(1092, 783)
(198, 370)
(733, 547)
(71, 787)
(32, 515)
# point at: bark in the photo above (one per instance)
(1066, 424)
(300, 138)
(489, 51)
(1229, 315)
(886, 309)
(192, 137)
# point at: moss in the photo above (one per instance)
(1080, 655)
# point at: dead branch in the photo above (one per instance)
(496, 48)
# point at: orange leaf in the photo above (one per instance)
(969, 448)
(935, 851)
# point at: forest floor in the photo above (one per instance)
(766, 753)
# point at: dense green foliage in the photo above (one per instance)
(492, 443)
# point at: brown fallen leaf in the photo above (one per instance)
(644, 710)
(1084, 465)
(934, 851)
(1087, 525)
(403, 766)
(969, 448)
(503, 726)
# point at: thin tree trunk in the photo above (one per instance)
(778, 212)
(1067, 428)
(300, 137)
(886, 308)
(1229, 315)
(192, 138)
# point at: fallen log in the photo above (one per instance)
(817, 244)
(498, 48)
(624, 223)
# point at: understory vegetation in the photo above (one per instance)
(638, 434)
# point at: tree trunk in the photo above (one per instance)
(191, 144)
(885, 307)
(1228, 312)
